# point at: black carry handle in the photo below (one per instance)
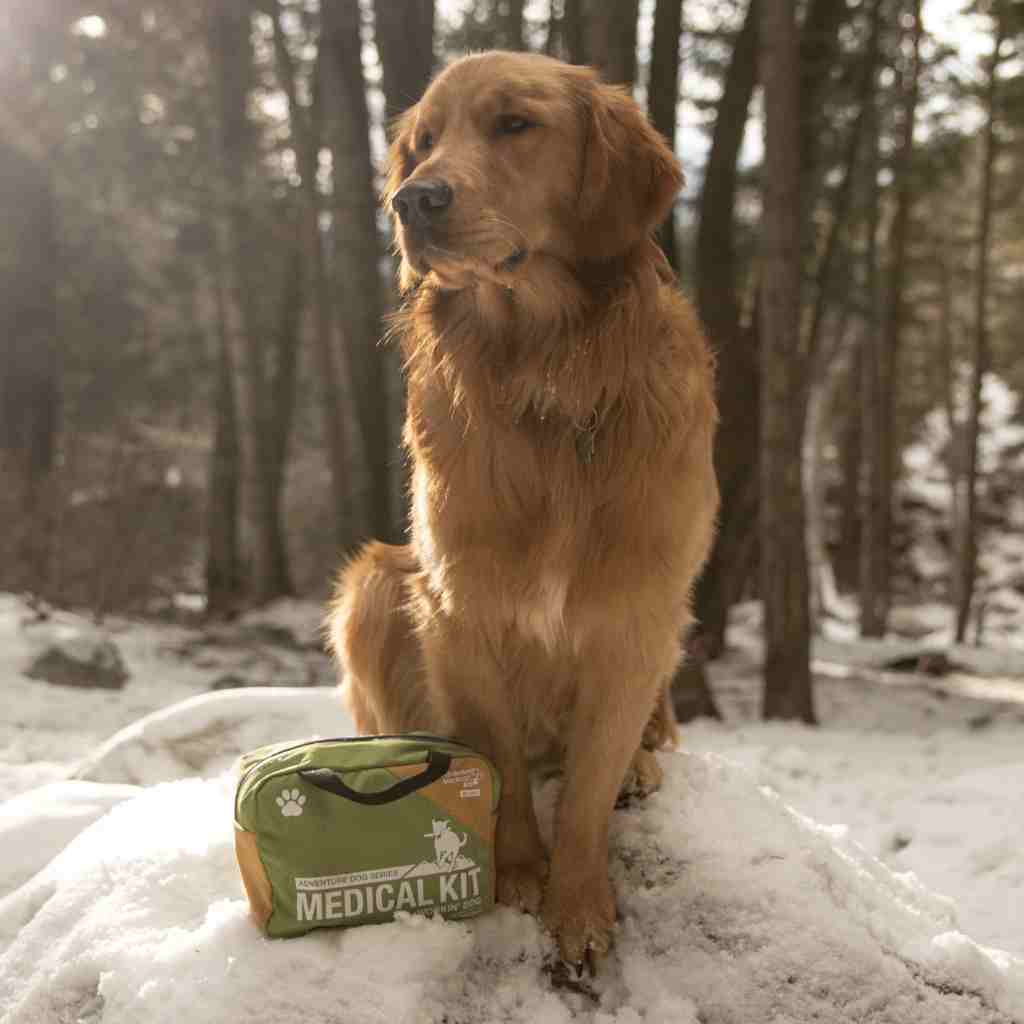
(323, 778)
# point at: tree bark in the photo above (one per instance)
(357, 253)
(511, 12)
(609, 38)
(847, 561)
(31, 360)
(823, 277)
(571, 25)
(282, 376)
(238, 242)
(889, 369)
(405, 42)
(874, 554)
(689, 690)
(663, 96)
(784, 583)
(223, 571)
(718, 306)
(819, 48)
(824, 593)
(969, 525)
(307, 133)
(825, 376)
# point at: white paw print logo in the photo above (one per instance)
(290, 801)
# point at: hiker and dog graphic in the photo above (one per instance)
(447, 845)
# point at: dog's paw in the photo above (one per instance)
(643, 777)
(522, 885)
(582, 920)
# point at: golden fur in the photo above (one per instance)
(560, 425)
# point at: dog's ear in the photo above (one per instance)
(629, 177)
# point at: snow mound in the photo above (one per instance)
(734, 909)
(205, 734)
(37, 825)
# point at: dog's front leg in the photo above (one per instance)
(614, 697)
(474, 683)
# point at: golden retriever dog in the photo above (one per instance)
(560, 424)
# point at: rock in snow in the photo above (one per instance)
(733, 910)
(94, 663)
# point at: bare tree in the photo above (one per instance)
(223, 569)
(889, 368)
(565, 31)
(257, 365)
(405, 42)
(357, 251)
(511, 12)
(967, 533)
(29, 355)
(609, 38)
(784, 584)
(718, 304)
(663, 95)
(873, 555)
(306, 125)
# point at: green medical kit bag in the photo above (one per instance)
(341, 832)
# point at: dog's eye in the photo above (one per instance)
(512, 124)
(426, 142)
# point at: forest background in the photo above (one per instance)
(197, 415)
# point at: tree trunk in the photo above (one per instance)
(824, 376)
(847, 560)
(718, 306)
(841, 204)
(689, 691)
(238, 243)
(609, 36)
(223, 570)
(572, 36)
(357, 253)
(819, 49)
(889, 369)
(307, 132)
(784, 584)
(511, 15)
(663, 96)
(874, 553)
(969, 526)
(947, 357)
(824, 594)
(282, 376)
(31, 363)
(405, 42)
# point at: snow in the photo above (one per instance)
(927, 496)
(870, 870)
(205, 734)
(733, 906)
(37, 825)
(45, 730)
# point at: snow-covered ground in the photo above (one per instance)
(870, 870)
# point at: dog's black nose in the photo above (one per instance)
(420, 202)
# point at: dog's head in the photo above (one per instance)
(511, 156)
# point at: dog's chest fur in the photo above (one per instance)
(502, 512)
(545, 470)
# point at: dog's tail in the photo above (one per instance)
(370, 630)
